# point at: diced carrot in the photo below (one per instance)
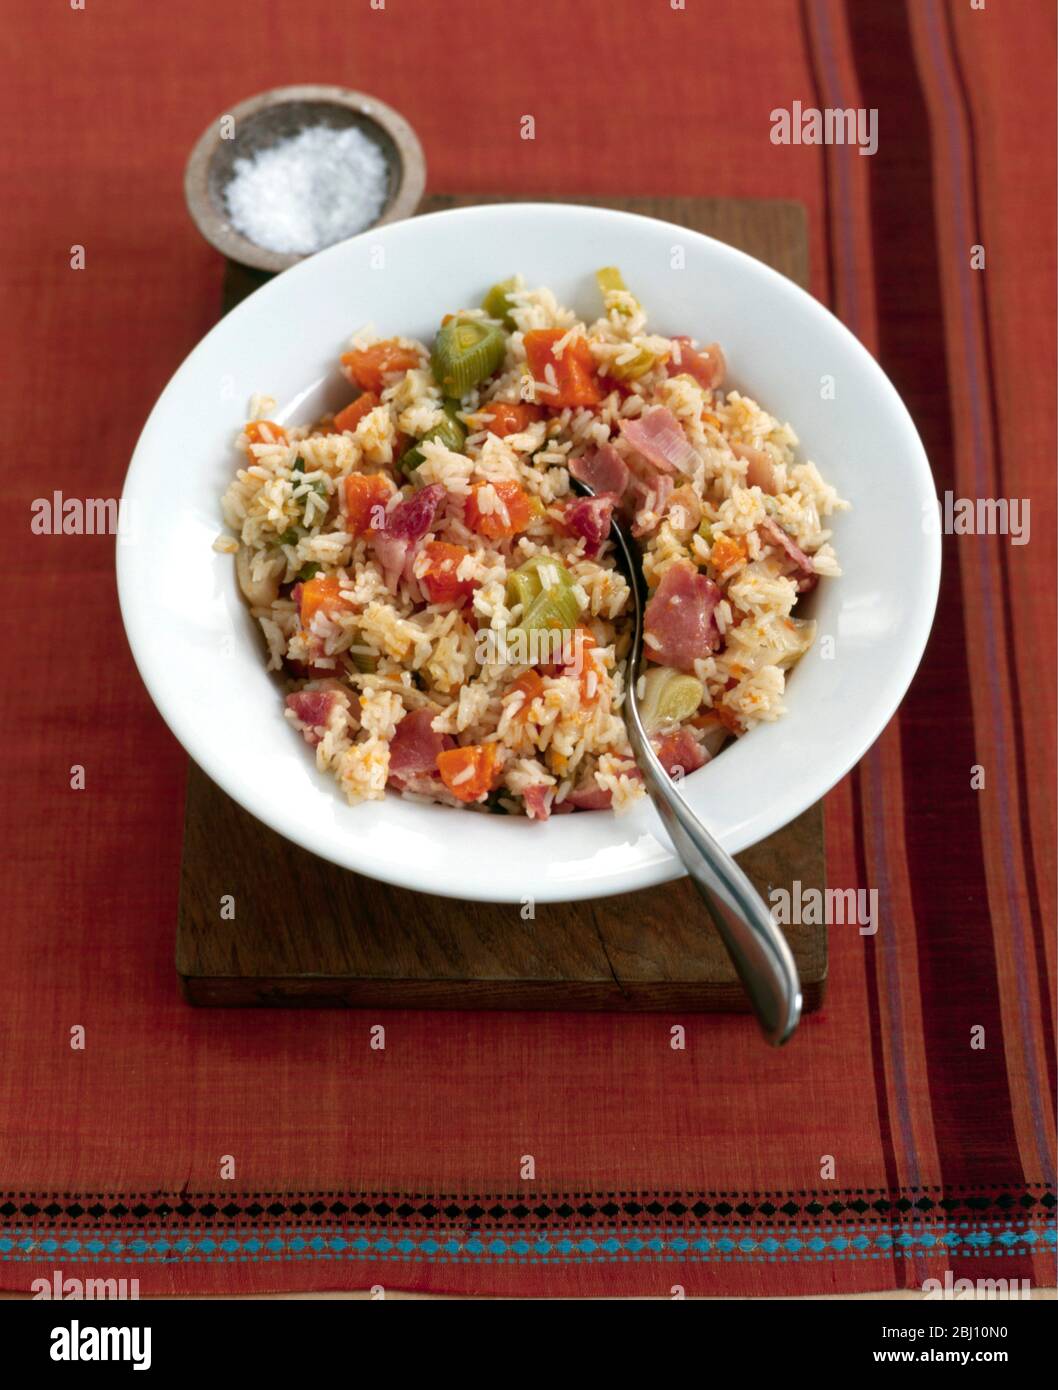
(350, 417)
(265, 432)
(494, 525)
(574, 370)
(440, 582)
(324, 592)
(506, 417)
(468, 772)
(726, 552)
(578, 644)
(365, 367)
(707, 720)
(729, 719)
(531, 684)
(590, 677)
(363, 493)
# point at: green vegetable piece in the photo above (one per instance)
(290, 536)
(705, 530)
(318, 486)
(449, 432)
(553, 607)
(497, 304)
(544, 587)
(636, 367)
(367, 665)
(523, 584)
(299, 465)
(668, 697)
(611, 283)
(465, 353)
(309, 571)
(410, 460)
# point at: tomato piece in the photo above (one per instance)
(531, 684)
(508, 417)
(363, 493)
(324, 591)
(265, 432)
(350, 417)
(440, 582)
(494, 525)
(729, 719)
(574, 370)
(590, 676)
(365, 367)
(726, 552)
(468, 772)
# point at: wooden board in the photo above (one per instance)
(308, 934)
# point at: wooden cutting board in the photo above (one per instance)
(307, 934)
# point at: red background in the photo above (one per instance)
(101, 107)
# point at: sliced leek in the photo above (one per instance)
(615, 293)
(554, 609)
(668, 697)
(450, 432)
(544, 588)
(636, 366)
(465, 353)
(497, 302)
(524, 583)
(365, 662)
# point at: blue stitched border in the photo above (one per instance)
(577, 1245)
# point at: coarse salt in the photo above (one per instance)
(308, 191)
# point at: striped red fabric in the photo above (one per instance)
(882, 1148)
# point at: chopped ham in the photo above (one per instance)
(679, 622)
(590, 797)
(414, 747)
(603, 471)
(411, 519)
(589, 517)
(676, 750)
(658, 437)
(760, 471)
(395, 545)
(312, 710)
(538, 800)
(679, 750)
(651, 501)
(391, 552)
(707, 367)
(801, 564)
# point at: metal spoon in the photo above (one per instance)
(755, 944)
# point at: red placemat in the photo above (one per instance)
(705, 1167)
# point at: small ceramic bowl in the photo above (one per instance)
(272, 116)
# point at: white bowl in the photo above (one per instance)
(201, 655)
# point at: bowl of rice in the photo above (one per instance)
(371, 586)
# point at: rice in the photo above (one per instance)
(386, 600)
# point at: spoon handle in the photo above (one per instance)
(757, 947)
